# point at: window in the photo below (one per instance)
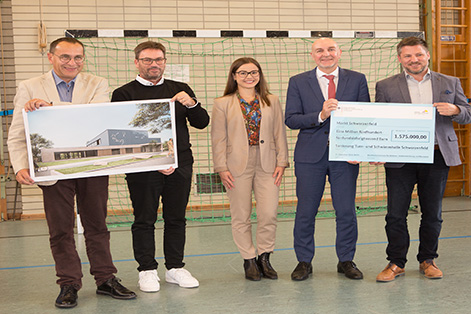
(208, 183)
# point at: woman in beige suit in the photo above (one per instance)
(250, 153)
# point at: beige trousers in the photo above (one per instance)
(240, 197)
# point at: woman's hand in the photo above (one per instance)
(278, 175)
(227, 179)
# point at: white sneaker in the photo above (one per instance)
(181, 277)
(149, 281)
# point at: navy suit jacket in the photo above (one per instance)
(304, 102)
(445, 89)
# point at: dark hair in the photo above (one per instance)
(411, 41)
(148, 45)
(71, 40)
(261, 88)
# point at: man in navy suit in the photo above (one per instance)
(418, 85)
(311, 98)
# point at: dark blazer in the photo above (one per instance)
(304, 102)
(445, 89)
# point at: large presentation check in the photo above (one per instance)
(383, 132)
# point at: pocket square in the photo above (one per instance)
(447, 92)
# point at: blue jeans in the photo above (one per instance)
(431, 181)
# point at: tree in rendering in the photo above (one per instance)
(38, 142)
(155, 117)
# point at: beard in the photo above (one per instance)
(152, 75)
(421, 70)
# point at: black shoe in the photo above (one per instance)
(252, 272)
(302, 271)
(350, 270)
(113, 288)
(67, 297)
(265, 266)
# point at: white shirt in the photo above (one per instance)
(420, 92)
(145, 82)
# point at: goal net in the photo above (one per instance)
(204, 64)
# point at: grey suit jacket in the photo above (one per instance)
(88, 89)
(445, 89)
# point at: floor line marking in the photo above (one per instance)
(229, 253)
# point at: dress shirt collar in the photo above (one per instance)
(320, 74)
(58, 80)
(145, 82)
(427, 76)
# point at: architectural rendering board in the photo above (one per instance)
(78, 141)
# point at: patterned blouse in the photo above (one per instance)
(252, 116)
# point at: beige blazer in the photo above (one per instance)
(88, 89)
(229, 139)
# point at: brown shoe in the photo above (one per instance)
(302, 271)
(390, 273)
(430, 270)
(265, 267)
(252, 272)
(350, 269)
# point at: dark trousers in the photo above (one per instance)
(431, 181)
(146, 189)
(92, 197)
(310, 184)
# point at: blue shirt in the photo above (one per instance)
(64, 89)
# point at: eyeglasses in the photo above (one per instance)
(66, 58)
(243, 74)
(149, 61)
